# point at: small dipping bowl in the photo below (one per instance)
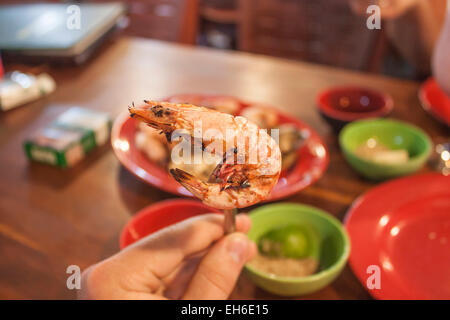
(334, 247)
(161, 215)
(394, 135)
(341, 105)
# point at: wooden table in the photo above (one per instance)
(52, 218)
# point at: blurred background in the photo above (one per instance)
(321, 31)
(68, 70)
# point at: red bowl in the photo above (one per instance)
(340, 105)
(435, 101)
(313, 159)
(161, 215)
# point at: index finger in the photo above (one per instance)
(165, 249)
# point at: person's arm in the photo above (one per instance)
(189, 260)
(441, 59)
(415, 33)
(412, 27)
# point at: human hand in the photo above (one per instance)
(189, 260)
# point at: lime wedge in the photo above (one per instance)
(297, 242)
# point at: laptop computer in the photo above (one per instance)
(56, 31)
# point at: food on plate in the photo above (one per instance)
(263, 117)
(152, 143)
(290, 140)
(224, 104)
(244, 177)
(374, 150)
(291, 251)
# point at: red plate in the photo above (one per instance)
(403, 226)
(161, 215)
(312, 161)
(435, 101)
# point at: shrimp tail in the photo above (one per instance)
(197, 187)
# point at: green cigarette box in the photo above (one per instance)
(69, 138)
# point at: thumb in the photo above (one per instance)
(219, 269)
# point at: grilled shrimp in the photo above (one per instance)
(251, 159)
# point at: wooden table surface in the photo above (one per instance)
(52, 218)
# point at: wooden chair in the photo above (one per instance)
(322, 31)
(168, 20)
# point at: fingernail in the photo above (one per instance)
(237, 247)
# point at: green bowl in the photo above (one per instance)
(393, 134)
(334, 251)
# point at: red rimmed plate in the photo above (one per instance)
(161, 215)
(312, 161)
(403, 227)
(435, 101)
